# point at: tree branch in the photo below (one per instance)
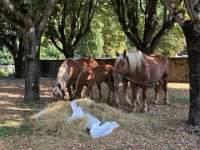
(166, 28)
(10, 7)
(13, 23)
(45, 15)
(55, 43)
(194, 12)
(132, 32)
(174, 12)
(150, 21)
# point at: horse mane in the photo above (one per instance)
(136, 60)
(62, 76)
(56, 90)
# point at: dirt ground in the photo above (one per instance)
(162, 127)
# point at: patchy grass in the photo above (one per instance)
(10, 131)
(175, 100)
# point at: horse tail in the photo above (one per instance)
(63, 76)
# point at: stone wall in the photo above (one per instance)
(177, 71)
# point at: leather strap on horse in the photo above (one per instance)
(149, 84)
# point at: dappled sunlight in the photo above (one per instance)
(10, 114)
(11, 123)
(4, 102)
(178, 86)
(17, 108)
(7, 95)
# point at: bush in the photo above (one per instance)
(5, 74)
(5, 57)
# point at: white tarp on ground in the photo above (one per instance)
(93, 124)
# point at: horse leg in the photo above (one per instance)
(157, 89)
(109, 92)
(125, 85)
(91, 94)
(166, 98)
(69, 91)
(144, 96)
(88, 90)
(115, 97)
(135, 96)
(99, 88)
(77, 92)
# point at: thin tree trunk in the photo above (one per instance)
(19, 60)
(193, 46)
(19, 66)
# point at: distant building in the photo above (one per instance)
(182, 53)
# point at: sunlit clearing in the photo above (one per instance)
(2, 102)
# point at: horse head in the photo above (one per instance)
(121, 67)
(58, 94)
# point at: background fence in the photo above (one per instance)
(178, 69)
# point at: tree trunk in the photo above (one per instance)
(32, 45)
(193, 47)
(69, 52)
(19, 60)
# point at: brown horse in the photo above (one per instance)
(91, 76)
(143, 72)
(67, 75)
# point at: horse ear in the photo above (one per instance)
(124, 53)
(117, 54)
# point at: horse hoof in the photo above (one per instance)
(134, 110)
(167, 103)
(144, 109)
(156, 102)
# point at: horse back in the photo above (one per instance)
(158, 66)
(86, 63)
(95, 75)
(73, 69)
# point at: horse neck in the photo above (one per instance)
(63, 76)
(81, 78)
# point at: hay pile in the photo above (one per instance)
(53, 121)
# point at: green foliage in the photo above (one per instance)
(179, 100)
(113, 36)
(5, 74)
(172, 43)
(91, 44)
(5, 57)
(48, 51)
